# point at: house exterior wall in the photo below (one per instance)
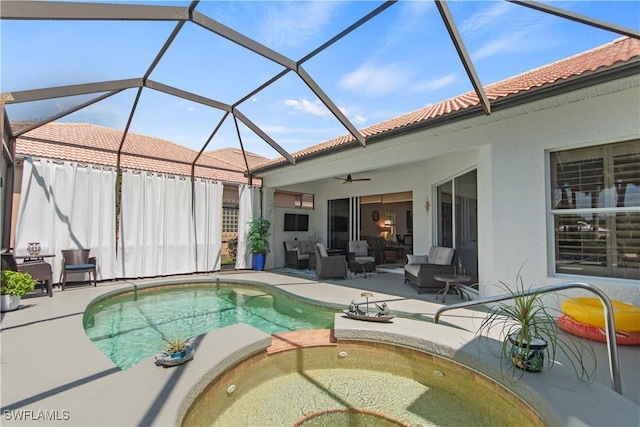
(510, 151)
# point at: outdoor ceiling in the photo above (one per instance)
(154, 61)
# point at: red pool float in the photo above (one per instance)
(595, 333)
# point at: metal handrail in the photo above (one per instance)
(612, 345)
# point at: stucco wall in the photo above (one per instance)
(510, 151)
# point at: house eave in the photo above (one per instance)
(628, 69)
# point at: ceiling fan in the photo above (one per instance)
(349, 180)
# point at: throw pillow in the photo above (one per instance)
(417, 259)
(323, 251)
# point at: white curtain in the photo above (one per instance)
(156, 225)
(249, 208)
(208, 224)
(64, 205)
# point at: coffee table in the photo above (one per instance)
(449, 279)
(361, 267)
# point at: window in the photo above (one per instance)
(283, 199)
(389, 224)
(595, 204)
(230, 220)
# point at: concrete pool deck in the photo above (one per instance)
(53, 375)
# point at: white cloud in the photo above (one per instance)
(508, 29)
(315, 108)
(288, 130)
(433, 84)
(353, 117)
(294, 23)
(486, 20)
(375, 80)
(359, 119)
(412, 16)
(515, 42)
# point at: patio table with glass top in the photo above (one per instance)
(357, 266)
(449, 279)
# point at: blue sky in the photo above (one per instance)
(400, 61)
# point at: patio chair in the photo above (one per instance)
(39, 270)
(78, 261)
(359, 256)
(329, 266)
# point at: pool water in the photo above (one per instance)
(135, 325)
(356, 384)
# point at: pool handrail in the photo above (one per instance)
(609, 323)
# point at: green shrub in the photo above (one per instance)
(15, 283)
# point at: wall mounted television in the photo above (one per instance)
(296, 222)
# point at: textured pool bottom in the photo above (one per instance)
(374, 384)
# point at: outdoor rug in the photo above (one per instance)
(311, 274)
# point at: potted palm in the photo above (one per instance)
(258, 242)
(530, 336)
(14, 284)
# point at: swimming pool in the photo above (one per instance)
(354, 384)
(133, 325)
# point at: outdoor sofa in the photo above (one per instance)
(421, 269)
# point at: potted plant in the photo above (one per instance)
(530, 336)
(258, 242)
(14, 284)
(177, 351)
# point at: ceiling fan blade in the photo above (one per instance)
(349, 180)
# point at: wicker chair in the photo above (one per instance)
(78, 261)
(421, 275)
(39, 270)
(329, 266)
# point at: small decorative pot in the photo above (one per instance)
(528, 358)
(10, 302)
(174, 359)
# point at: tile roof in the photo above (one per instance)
(620, 51)
(234, 156)
(87, 143)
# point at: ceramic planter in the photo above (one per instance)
(10, 302)
(174, 359)
(528, 358)
(258, 261)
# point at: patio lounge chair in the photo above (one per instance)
(39, 270)
(78, 261)
(329, 266)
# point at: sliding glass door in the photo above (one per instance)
(338, 226)
(457, 219)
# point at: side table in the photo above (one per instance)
(449, 279)
(361, 267)
(38, 268)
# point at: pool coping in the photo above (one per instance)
(48, 364)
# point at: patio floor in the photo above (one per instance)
(53, 375)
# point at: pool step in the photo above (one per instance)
(298, 339)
